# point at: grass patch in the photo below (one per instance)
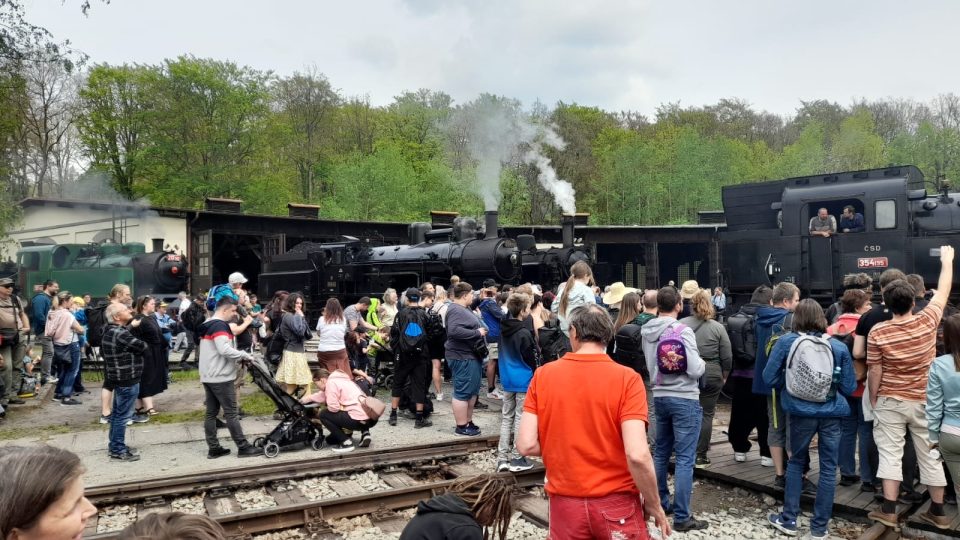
(257, 404)
(175, 375)
(34, 431)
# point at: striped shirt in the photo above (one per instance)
(905, 350)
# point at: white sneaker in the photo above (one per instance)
(766, 461)
(739, 457)
(495, 395)
(440, 396)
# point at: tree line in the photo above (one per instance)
(188, 128)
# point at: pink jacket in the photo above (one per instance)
(60, 326)
(341, 393)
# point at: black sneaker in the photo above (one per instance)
(217, 452)
(520, 464)
(249, 451)
(422, 423)
(702, 462)
(910, 497)
(809, 487)
(848, 480)
(365, 439)
(125, 456)
(467, 431)
(393, 418)
(221, 424)
(691, 524)
(503, 466)
(409, 415)
(480, 406)
(867, 487)
(345, 446)
(780, 482)
(70, 401)
(950, 498)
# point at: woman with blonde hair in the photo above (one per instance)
(714, 346)
(574, 293)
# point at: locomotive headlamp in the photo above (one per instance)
(513, 258)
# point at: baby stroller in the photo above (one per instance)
(295, 428)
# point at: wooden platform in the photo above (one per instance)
(848, 500)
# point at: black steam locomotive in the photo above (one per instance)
(767, 237)
(351, 269)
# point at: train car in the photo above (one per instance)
(96, 268)
(351, 269)
(766, 239)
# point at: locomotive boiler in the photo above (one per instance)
(96, 268)
(351, 269)
(767, 239)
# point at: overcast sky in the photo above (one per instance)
(616, 54)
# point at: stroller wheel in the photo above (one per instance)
(271, 449)
(258, 442)
(317, 442)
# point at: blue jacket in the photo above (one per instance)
(943, 396)
(769, 319)
(855, 224)
(81, 316)
(39, 309)
(773, 375)
(492, 314)
(518, 356)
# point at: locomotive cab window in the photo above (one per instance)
(885, 214)
(837, 210)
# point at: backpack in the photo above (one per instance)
(218, 292)
(553, 344)
(671, 352)
(96, 324)
(628, 349)
(413, 333)
(809, 369)
(785, 327)
(742, 329)
(193, 319)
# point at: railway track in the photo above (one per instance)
(305, 493)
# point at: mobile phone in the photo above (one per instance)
(934, 252)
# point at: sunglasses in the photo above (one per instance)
(10, 286)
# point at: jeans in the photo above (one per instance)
(708, 401)
(222, 396)
(829, 432)
(510, 425)
(12, 358)
(336, 422)
(848, 440)
(191, 346)
(869, 458)
(651, 414)
(618, 515)
(747, 412)
(678, 429)
(68, 366)
(124, 399)
(46, 358)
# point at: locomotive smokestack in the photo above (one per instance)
(490, 223)
(567, 221)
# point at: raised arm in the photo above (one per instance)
(946, 277)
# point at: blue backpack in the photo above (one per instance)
(218, 292)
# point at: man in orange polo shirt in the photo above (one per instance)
(587, 415)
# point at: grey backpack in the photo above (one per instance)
(809, 369)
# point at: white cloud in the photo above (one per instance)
(615, 54)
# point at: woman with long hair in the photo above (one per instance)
(574, 293)
(41, 494)
(332, 329)
(471, 507)
(714, 346)
(273, 314)
(156, 359)
(629, 309)
(943, 399)
(294, 370)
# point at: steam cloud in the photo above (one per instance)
(495, 129)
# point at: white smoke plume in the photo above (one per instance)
(494, 129)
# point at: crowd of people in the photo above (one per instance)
(858, 376)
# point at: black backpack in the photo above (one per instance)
(628, 349)
(742, 329)
(553, 344)
(414, 331)
(96, 324)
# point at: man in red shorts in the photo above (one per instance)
(593, 438)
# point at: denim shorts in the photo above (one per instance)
(466, 378)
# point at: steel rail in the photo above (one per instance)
(126, 492)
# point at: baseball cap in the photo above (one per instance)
(236, 277)
(5, 282)
(487, 283)
(412, 294)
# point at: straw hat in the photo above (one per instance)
(689, 288)
(616, 293)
